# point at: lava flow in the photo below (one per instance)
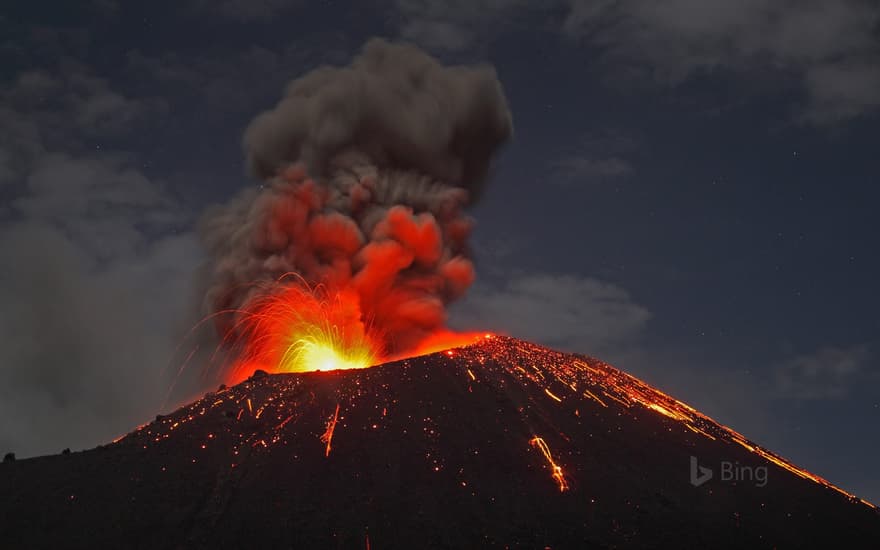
(559, 376)
(345, 257)
(565, 381)
(497, 443)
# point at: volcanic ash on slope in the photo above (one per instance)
(502, 443)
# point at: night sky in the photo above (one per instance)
(690, 195)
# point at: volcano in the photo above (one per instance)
(501, 443)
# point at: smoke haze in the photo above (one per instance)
(368, 169)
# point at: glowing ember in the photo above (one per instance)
(297, 329)
(456, 437)
(444, 340)
(327, 437)
(567, 393)
(555, 468)
(552, 395)
(319, 355)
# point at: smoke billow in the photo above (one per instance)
(368, 169)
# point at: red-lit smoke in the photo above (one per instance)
(367, 170)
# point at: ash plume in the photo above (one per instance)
(367, 171)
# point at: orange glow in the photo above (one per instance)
(581, 387)
(327, 437)
(556, 470)
(297, 329)
(444, 340)
(629, 392)
(552, 395)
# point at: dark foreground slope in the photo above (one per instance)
(436, 451)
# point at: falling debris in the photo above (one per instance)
(556, 470)
(427, 450)
(327, 436)
(553, 395)
(358, 240)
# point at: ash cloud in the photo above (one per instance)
(368, 169)
(396, 104)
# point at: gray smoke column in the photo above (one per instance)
(368, 169)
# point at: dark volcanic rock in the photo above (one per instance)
(436, 451)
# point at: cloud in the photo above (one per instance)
(107, 207)
(562, 311)
(236, 81)
(85, 342)
(66, 109)
(23, 45)
(93, 303)
(437, 35)
(459, 25)
(827, 51)
(244, 10)
(96, 266)
(840, 91)
(105, 7)
(820, 44)
(588, 170)
(827, 373)
(597, 159)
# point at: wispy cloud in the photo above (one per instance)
(597, 159)
(97, 265)
(827, 373)
(568, 312)
(244, 10)
(829, 52)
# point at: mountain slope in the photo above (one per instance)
(502, 443)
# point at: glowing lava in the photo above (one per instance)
(298, 329)
(295, 328)
(555, 469)
(444, 340)
(413, 451)
(327, 437)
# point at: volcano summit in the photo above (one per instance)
(500, 443)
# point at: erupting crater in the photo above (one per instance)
(295, 328)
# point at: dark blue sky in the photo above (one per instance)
(690, 194)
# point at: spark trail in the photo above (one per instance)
(356, 242)
(570, 383)
(555, 469)
(327, 436)
(606, 461)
